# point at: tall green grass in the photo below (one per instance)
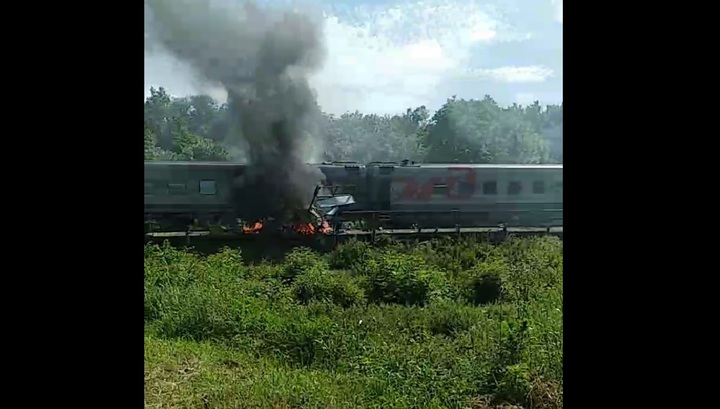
(445, 324)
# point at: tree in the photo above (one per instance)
(469, 131)
(177, 128)
(479, 131)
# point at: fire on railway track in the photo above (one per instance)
(315, 220)
(302, 228)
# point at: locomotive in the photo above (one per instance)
(385, 194)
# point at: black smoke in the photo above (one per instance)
(262, 57)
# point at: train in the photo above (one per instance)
(385, 194)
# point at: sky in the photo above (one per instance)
(385, 56)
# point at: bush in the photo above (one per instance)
(483, 283)
(300, 260)
(457, 256)
(534, 268)
(403, 279)
(349, 255)
(208, 313)
(446, 326)
(326, 286)
(446, 317)
(166, 265)
(226, 265)
(167, 272)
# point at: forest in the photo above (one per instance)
(461, 131)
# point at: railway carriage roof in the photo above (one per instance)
(419, 165)
(192, 163)
(484, 166)
(204, 163)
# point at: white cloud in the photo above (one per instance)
(386, 58)
(398, 57)
(558, 10)
(514, 74)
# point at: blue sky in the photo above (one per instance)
(387, 55)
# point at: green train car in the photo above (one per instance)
(180, 193)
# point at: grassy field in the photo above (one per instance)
(434, 325)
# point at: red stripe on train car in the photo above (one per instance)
(415, 191)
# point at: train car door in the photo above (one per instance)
(385, 175)
(379, 186)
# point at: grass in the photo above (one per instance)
(435, 325)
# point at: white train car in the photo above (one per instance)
(472, 195)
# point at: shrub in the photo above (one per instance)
(326, 286)
(167, 272)
(447, 326)
(205, 312)
(403, 279)
(485, 281)
(166, 265)
(226, 265)
(267, 270)
(302, 259)
(295, 335)
(446, 317)
(348, 255)
(455, 256)
(534, 268)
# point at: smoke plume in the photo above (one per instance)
(263, 58)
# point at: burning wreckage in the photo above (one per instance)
(263, 58)
(321, 217)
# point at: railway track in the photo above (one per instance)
(365, 234)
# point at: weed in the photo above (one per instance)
(440, 324)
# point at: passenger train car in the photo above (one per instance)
(388, 194)
(471, 195)
(176, 193)
(181, 193)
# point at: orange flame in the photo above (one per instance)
(307, 229)
(325, 227)
(310, 229)
(304, 228)
(253, 228)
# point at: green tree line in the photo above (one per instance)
(464, 131)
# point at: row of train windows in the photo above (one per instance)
(488, 188)
(206, 187)
(209, 187)
(491, 188)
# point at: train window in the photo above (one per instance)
(538, 187)
(490, 188)
(208, 187)
(440, 189)
(514, 188)
(176, 188)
